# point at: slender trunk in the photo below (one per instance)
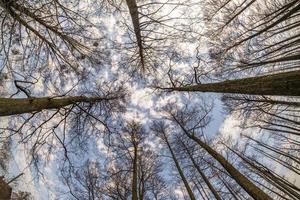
(290, 157)
(133, 9)
(199, 191)
(261, 101)
(185, 182)
(210, 186)
(268, 27)
(254, 191)
(141, 190)
(16, 106)
(142, 181)
(281, 84)
(228, 187)
(272, 177)
(135, 175)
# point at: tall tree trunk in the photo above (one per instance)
(199, 190)
(210, 186)
(254, 191)
(134, 185)
(15, 106)
(185, 182)
(133, 9)
(281, 84)
(141, 183)
(228, 187)
(5, 189)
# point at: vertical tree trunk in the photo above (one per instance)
(133, 9)
(135, 174)
(210, 186)
(199, 190)
(185, 182)
(15, 106)
(281, 84)
(141, 183)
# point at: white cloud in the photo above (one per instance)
(231, 127)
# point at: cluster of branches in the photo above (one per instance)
(266, 40)
(60, 124)
(242, 39)
(202, 169)
(218, 169)
(131, 170)
(151, 31)
(253, 36)
(39, 33)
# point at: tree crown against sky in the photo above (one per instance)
(108, 99)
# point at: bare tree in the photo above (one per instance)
(132, 171)
(190, 116)
(34, 27)
(160, 129)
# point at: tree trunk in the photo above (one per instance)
(272, 177)
(15, 106)
(185, 182)
(259, 101)
(135, 175)
(210, 186)
(5, 190)
(254, 191)
(281, 84)
(133, 9)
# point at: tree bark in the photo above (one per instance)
(9, 106)
(185, 182)
(5, 189)
(133, 10)
(254, 191)
(281, 84)
(269, 175)
(134, 183)
(210, 186)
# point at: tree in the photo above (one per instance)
(250, 38)
(34, 27)
(151, 32)
(71, 122)
(10, 106)
(5, 148)
(264, 37)
(285, 84)
(160, 129)
(206, 180)
(179, 117)
(274, 114)
(61, 65)
(85, 182)
(134, 159)
(6, 191)
(268, 178)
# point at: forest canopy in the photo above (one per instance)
(153, 99)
